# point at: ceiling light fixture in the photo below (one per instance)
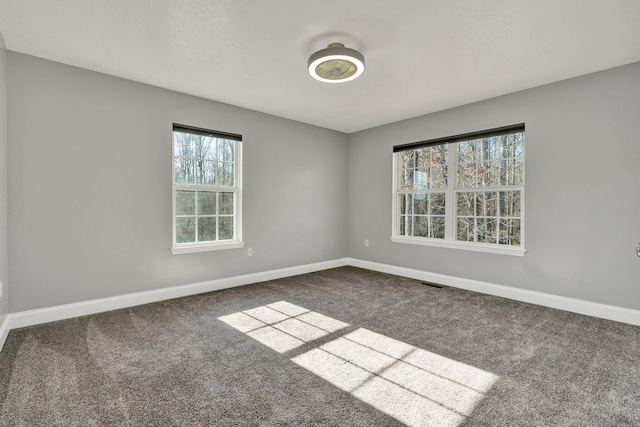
(336, 64)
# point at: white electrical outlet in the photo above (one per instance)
(250, 252)
(366, 243)
(0, 288)
(333, 242)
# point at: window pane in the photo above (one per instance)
(183, 145)
(206, 203)
(185, 202)
(489, 174)
(518, 172)
(225, 174)
(437, 227)
(512, 145)
(438, 177)
(206, 229)
(439, 155)
(226, 203)
(226, 150)
(405, 225)
(466, 204)
(487, 148)
(405, 204)
(185, 230)
(420, 180)
(206, 172)
(183, 168)
(482, 149)
(420, 204)
(437, 203)
(494, 148)
(510, 203)
(487, 203)
(465, 230)
(421, 226)
(225, 228)
(510, 232)
(406, 179)
(465, 151)
(406, 160)
(512, 172)
(518, 144)
(486, 231)
(422, 157)
(205, 147)
(466, 175)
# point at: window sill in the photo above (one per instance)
(177, 250)
(479, 247)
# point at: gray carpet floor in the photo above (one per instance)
(341, 347)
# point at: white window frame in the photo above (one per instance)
(449, 240)
(193, 247)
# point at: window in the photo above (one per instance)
(464, 191)
(206, 190)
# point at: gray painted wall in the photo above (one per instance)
(4, 301)
(89, 187)
(582, 189)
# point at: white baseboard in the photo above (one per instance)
(610, 312)
(4, 330)
(67, 311)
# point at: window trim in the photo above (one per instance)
(194, 247)
(469, 246)
(450, 211)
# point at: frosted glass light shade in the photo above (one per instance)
(336, 64)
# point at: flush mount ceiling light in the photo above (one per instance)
(336, 64)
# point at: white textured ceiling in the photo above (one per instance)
(422, 55)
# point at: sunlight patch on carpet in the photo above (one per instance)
(415, 386)
(283, 326)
